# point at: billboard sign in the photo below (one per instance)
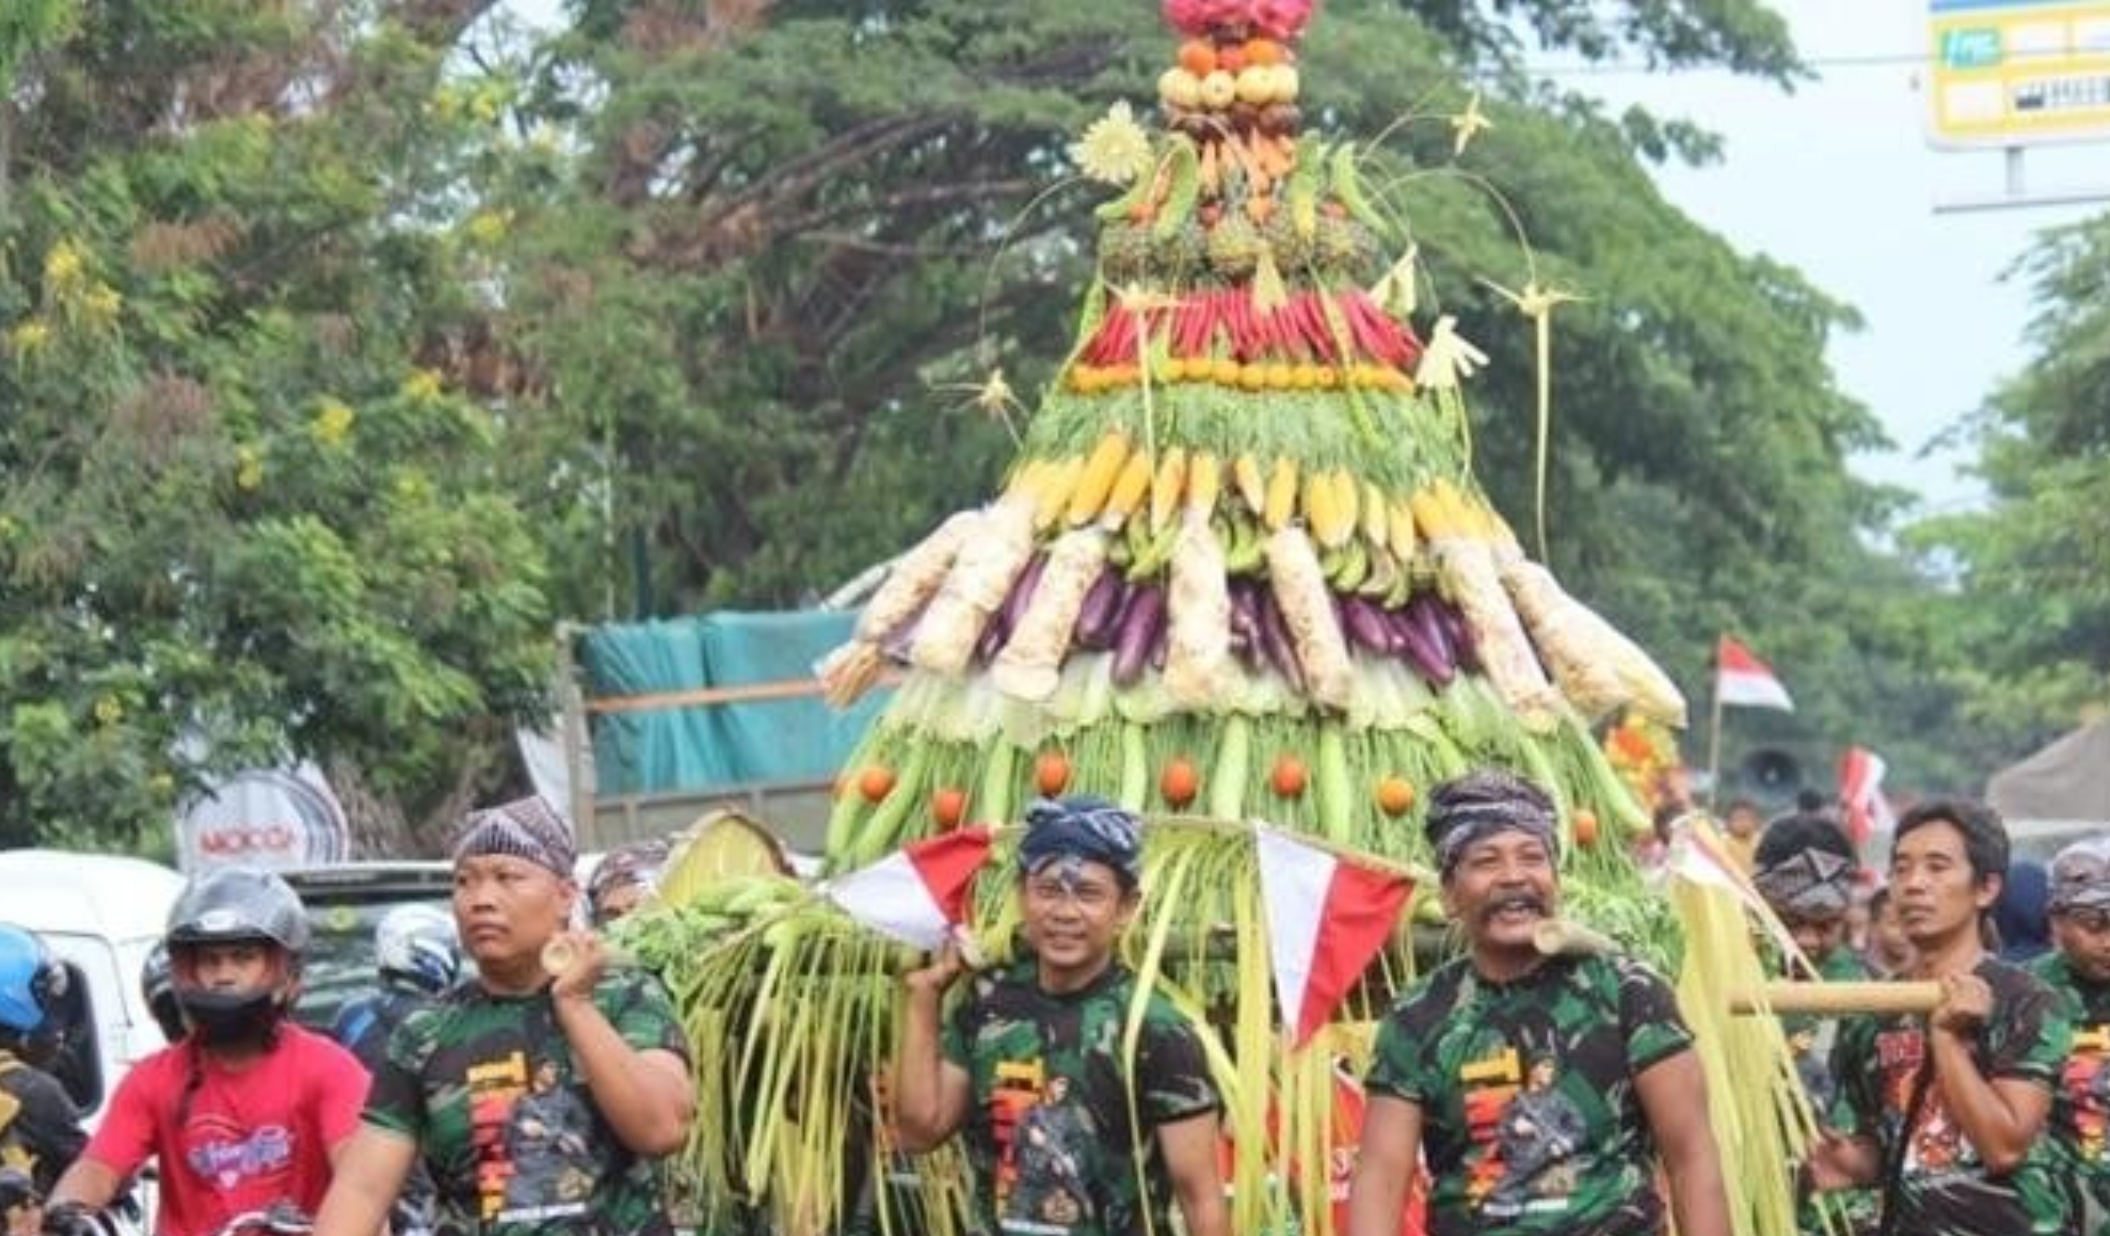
(266, 818)
(2018, 72)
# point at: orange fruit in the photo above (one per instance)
(948, 807)
(875, 782)
(1395, 796)
(1288, 776)
(1584, 825)
(1051, 773)
(1179, 783)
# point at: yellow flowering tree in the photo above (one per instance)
(246, 509)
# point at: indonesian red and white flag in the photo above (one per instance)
(918, 894)
(1861, 791)
(1326, 918)
(1743, 679)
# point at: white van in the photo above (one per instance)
(100, 914)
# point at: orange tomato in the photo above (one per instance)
(1395, 796)
(1051, 773)
(948, 807)
(1584, 824)
(1288, 776)
(875, 782)
(1179, 783)
(1198, 56)
(1263, 51)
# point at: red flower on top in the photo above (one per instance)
(1281, 20)
(1198, 18)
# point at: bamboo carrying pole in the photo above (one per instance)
(1873, 997)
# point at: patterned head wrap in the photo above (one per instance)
(2080, 876)
(1478, 805)
(524, 828)
(1084, 827)
(633, 862)
(1805, 866)
(1809, 883)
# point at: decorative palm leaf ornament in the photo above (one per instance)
(1240, 570)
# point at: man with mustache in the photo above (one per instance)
(1458, 1050)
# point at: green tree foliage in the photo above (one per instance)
(240, 518)
(2033, 604)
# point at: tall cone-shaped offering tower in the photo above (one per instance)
(1242, 566)
(1241, 570)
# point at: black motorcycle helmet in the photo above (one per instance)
(157, 984)
(233, 906)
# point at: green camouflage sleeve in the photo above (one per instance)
(2034, 1040)
(1172, 1071)
(396, 1101)
(1853, 1063)
(1648, 1010)
(638, 1006)
(1395, 1064)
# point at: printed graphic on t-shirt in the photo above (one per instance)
(533, 1141)
(1525, 1134)
(2087, 1085)
(227, 1156)
(1935, 1144)
(1045, 1140)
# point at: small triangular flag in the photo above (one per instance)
(918, 894)
(1326, 918)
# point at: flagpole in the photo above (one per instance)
(1714, 753)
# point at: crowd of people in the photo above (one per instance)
(1517, 1093)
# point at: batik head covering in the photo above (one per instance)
(1083, 827)
(526, 828)
(1481, 804)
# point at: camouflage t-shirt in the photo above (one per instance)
(1052, 1137)
(1944, 1189)
(1531, 1123)
(2080, 1111)
(1811, 1040)
(488, 1086)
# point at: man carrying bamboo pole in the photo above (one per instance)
(1541, 1089)
(1033, 1066)
(2080, 972)
(1944, 1116)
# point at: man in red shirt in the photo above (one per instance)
(248, 1110)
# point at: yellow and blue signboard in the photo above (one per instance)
(2018, 72)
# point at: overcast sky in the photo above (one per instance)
(1839, 181)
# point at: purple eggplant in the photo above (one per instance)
(1100, 615)
(1276, 644)
(1463, 649)
(997, 631)
(1366, 626)
(1245, 624)
(1141, 622)
(1426, 612)
(1424, 648)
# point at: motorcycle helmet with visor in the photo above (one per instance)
(230, 907)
